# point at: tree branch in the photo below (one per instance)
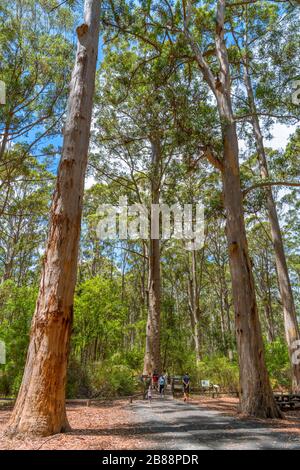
(269, 184)
(212, 158)
(203, 65)
(251, 2)
(275, 116)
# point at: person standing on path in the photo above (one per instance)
(162, 383)
(149, 394)
(155, 377)
(186, 386)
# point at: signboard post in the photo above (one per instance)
(205, 383)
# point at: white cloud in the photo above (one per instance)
(281, 134)
(89, 182)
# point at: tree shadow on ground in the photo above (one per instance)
(211, 432)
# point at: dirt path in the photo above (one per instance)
(167, 425)
(172, 424)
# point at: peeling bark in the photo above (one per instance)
(40, 406)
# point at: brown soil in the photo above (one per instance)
(106, 426)
(111, 426)
(229, 406)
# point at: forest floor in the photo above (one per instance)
(105, 426)
(212, 424)
(229, 406)
(203, 423)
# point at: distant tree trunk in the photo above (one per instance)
(11, 250)
(194, 305)
(265, 294)
(144, 294)
(152, 359)
(226, 306)
(40, 406)
(269, 320)
(268, 300)
(5, 137)
(291, 326)
(9, 259)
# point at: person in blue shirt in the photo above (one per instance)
(186, 386)
(162, 383)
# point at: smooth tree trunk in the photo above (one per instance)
(255, 391)
(152, 359)
(5, 138)
(291, 326)
(226, 308)
(194, 305)
(40, 406)
(270, 321)
(222, 290)
(256, 396)
(266, 296)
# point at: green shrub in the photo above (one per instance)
(220, 371)
(5, 383)
(134, 359)
(277, 359)
(107, 379)
(16, 308)
(111, 380)
(78, 382)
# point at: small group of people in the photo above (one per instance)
(155, 381)
(159, 382)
